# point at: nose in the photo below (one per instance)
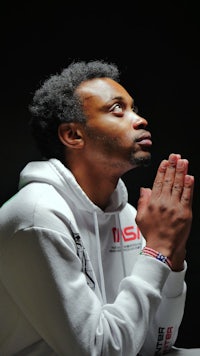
(139, 122)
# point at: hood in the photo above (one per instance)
(53, 172)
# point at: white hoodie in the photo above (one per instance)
(72, 280)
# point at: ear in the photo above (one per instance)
(70, 135)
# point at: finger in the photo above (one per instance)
(170, 174)
(158, 181)
(188, 190)
(180, 173)
(164, 175)
(144, 197)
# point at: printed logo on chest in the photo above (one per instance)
(130, 237)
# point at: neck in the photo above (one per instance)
(98, 184)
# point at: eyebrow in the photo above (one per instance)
(121, 98)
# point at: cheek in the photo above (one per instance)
(126, 138)
(121, 138)
(110, 134)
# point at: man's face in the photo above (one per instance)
(113, 132)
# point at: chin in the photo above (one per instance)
(142, 159)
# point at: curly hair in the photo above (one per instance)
(56, 102)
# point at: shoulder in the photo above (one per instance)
(37, 204)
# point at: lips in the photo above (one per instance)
(144, 140)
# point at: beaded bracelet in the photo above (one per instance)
(150, 252)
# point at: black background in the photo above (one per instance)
(156, 46)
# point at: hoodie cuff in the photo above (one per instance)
(174, 285)
(152, 271)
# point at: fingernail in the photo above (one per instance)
(180, 163)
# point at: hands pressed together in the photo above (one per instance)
(164, 213)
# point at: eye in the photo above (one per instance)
(135, 109)
(117, 108)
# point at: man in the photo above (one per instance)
(83, 273)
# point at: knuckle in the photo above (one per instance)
(168, 181)
(178, 187)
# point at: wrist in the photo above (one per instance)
(148, 251)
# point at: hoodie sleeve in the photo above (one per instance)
(164, 326)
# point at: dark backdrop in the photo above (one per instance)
(155, 44)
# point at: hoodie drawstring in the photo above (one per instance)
(118, 226)
(102, 281)
(101, 273)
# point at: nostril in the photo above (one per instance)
(142, 126)
(140, 123)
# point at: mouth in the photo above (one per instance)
(144, 140)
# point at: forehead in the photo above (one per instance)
(102, 90)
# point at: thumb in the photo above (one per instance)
(145, 194)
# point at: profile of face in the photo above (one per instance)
(113, 131)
